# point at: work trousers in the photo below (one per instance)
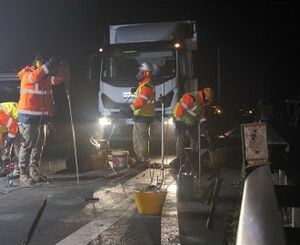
(32, 142)
(9, 155)
(140, 137)
(11, 152)
(181, 130)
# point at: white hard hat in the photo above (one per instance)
(145, 66)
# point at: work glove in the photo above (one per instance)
(52, 65)
(133, 90)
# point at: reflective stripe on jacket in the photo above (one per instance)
(144, 103)
(187, 110)
(8, 118)
(36, 97)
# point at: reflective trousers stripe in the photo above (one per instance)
(34, 112)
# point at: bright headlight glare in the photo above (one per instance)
(169, 121)
(177, 45)
(103, 121)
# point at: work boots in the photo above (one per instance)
(30, 176)
(24, 178)
(14, 175)
(14, 171)
(33, 174)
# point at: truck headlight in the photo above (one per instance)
(103, 121)
(169, 121)
(177, 45)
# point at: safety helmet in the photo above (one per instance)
(145, 70)
(145, 67)
(209, 94)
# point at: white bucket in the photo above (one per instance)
(120, 159)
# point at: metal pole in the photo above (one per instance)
(243, 169)
(162, 138)
(74, 137)
(219, 74)
(162, 134)
(199, 153)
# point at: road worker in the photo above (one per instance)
(143, 108)
(186, 114)
(36, 107)
(9, 126)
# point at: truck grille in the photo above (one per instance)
(109, 104)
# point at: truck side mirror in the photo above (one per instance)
(94, 67)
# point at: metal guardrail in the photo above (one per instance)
(8, 77)
(259, 221)
(9, 87)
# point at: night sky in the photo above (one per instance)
(257, 41)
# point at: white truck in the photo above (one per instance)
(168, 47)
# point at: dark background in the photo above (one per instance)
(257, 42)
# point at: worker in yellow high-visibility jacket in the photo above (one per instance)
(8, 126)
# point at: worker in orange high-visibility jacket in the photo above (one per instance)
(186, 114)
(36, 107)
(8, 125)
(143, 108)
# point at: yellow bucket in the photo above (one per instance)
(149, 202)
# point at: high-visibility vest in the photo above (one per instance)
(191, 112)
(148, 105)
(8, 118)
(36, 97)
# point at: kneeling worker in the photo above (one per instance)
(8, 123)
(186, 114)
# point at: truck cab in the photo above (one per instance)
(167, 46)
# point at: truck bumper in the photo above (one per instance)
(120, 135)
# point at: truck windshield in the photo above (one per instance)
(120, 67)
